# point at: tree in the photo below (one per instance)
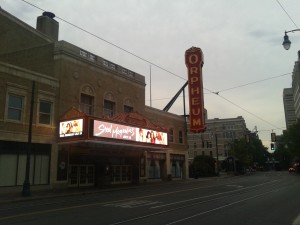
(291, 138)
(258, 151)
(288, 147)
(251, 153)
(240, 150)
(282, 154)
(202, 166)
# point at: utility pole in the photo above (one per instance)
(150, 87)
(217, 152)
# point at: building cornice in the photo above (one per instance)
(20, 72)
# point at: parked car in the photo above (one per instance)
(292, 170)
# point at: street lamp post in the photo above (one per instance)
(217, 151)
(286, 42)
(214, 135)
(26, 184)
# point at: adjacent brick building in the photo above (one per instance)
(74, 87)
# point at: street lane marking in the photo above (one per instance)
(207, 196)
(297, 220)
(98, 203)
(163, 212)
(198, 214)
(133, 204)
(221, 207)
(234, 185)
(103, 203)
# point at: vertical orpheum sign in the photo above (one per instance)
(194, 62)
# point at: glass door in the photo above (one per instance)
(121, 174)
(73, 176)
(81, 175)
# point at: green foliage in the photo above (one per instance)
(202, 166)
(283, 155)
(249, 153)
(288, 146)
(291, 139)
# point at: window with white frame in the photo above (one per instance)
(45, 111)
(15, 107)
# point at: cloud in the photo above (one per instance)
(241, 42)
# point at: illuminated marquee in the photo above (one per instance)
(194, 62)
(123, 132)
(71, 128)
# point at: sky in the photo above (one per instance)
(241, 41)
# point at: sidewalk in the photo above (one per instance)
(10, 197)
(35, 194)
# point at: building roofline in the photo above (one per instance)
(66, 48)
(24, 25)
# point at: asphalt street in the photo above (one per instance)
(262, 198)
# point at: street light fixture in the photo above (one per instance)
(286, 42)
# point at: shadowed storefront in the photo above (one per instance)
(124, 149)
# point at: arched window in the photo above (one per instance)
(87, 100)
(109, 105)
(128, 106)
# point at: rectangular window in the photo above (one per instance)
(128, 109)
(180, 136)
(86, 104)
(171, 135)
(209, 144)
(109, 108)
(13, 167)
(15, 107)
(45, 111)
(41, 168)
(8, 167)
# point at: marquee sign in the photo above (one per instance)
(124, 132)
(71, 128)
(194, 62)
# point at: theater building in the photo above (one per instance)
(90, 125)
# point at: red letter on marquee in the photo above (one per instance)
(194, 62)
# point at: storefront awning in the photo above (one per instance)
(99, 145)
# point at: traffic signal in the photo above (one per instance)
(273, 137)
(272, 146)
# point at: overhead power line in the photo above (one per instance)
(254, 82)
(235, 87)
(110, 43)
(151, 63)
(287, 13)
(258, 117)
